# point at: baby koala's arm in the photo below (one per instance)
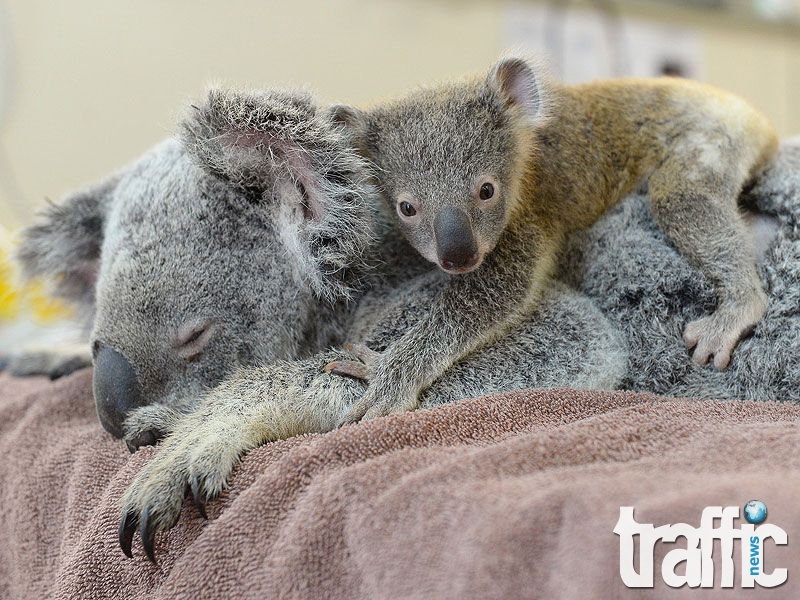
(471, 311)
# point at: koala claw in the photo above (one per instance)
(127, 527)
(147, 425)
(349, 368)
(363, 369)
(148, 534)
(198, 497)
(4, 362)
(190, 461)
(143, 438)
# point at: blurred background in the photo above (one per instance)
(87, 85)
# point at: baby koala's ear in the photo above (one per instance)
(354, 124)
(351, 118)
(516, 80)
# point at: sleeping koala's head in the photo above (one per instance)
(214, 250)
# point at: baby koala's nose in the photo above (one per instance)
(456, 246)
(460, 262)
(116, 389)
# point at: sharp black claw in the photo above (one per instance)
(148, 535)
(127, 526)
(4, 362)
(198, 499)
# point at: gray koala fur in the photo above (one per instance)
(261, 220)
(216, 226)
(648, 292)
(623, 263)
(165, 243)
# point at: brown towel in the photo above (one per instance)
(509, 496)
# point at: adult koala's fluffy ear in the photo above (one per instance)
(64, 247)
(281, 149)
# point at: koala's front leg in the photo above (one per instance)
(253, 407)
(470, 311)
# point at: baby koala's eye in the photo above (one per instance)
(407, 209)
(486, 191)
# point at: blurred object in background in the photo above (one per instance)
(585, 44)
(26, 312)
(88, 85)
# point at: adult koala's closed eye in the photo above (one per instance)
(196, 260)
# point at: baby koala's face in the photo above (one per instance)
(447, 164)
(455, 231)
(450, 160)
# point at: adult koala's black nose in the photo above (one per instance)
(116, 389)
(456, 246)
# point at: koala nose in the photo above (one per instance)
(116, 389)
(460, 263)
(456, 246)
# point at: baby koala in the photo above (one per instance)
(488, 176)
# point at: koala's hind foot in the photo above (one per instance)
(719, 333)
(363, 368)
(50, 363)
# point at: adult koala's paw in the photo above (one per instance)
(152, 503)
(53, 364)
(147, 425)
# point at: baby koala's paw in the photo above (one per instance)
(385, 395)
(719, 333)
(363, 368)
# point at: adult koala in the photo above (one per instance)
(187, 274)
(250, 240)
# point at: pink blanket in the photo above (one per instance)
(509, 496)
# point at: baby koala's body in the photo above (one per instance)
(487, 177)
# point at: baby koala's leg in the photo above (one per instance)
(695, 204)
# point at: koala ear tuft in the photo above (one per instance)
(279, 146)
(355, 126)
(64, 247)
(255, 139)
(517, 82)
